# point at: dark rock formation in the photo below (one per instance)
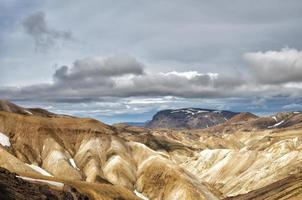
(14, 188)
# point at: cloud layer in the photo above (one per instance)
(95, 78)
(123, 76)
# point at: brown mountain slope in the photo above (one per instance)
(242, 118)
(86, 150)
(236, 162)
(287, 188)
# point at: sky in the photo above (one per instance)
(125, 60)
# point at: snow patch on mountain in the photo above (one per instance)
(40, 170)
(28, 112)
(73, 164)
(4, 140)
(276, 125)
(275, 118)
(192, 111)
(140, 195)
(54, 183)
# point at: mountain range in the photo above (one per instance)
(226, 155)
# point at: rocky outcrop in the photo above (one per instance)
(14, 187)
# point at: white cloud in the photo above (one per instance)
(161, 100)
(276, 67)
(293, 107)
(190, 74)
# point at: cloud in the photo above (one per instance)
(45, 37)
(112, 66)
(276, 67)
(95, 72)
(189, 74)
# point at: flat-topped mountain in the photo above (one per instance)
(191, 118)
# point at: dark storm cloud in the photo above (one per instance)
(112, 66)
(91, 73)
(45, 37)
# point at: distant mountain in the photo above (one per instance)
(248, 122)
(139, 124)
(278, 120)
(189, 118)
